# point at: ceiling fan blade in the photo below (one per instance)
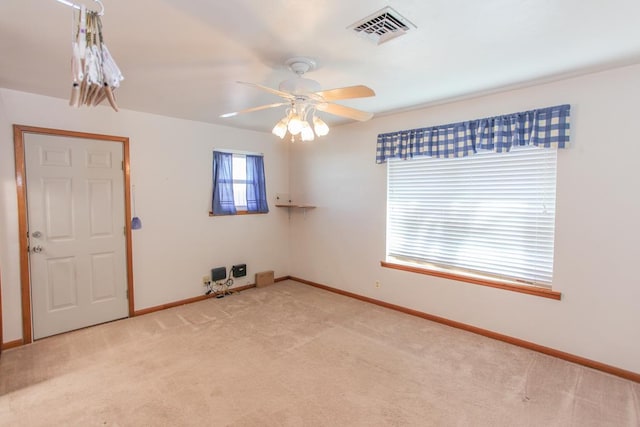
(249, 110)
(348, 92)
(285, 95)
(341, 110)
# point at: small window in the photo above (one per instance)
(489, 215)
(238, 184)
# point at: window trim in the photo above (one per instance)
(525, 289)
(238, 212)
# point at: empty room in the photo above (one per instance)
(293, 213)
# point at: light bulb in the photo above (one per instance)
(295, 125)
(320, 126)
(306, 133)
(280, 129)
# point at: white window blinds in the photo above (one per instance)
(489, 214)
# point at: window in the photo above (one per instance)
(238, 184)
(490, 215)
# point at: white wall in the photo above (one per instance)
(171, 168)
(342, 242)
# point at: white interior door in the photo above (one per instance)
(77, 242)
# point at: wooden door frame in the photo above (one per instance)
(19, 132)
(1, 341)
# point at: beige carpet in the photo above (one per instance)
(293, 355)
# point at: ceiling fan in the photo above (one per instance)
(304, 98)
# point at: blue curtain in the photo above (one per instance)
(223, 202)
(544, 127)
(256, 187)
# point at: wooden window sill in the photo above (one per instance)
(240, 213)
(530, 290)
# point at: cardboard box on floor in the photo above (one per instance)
(264, 278)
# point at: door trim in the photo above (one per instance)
(19, 132)
(1, 342)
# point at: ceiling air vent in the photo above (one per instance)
(382, 26)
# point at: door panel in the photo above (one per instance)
(62, 290)
(101, 208)
(54, 156)
(99, 159)
(103, 277)
(58, 208)
(76, 222)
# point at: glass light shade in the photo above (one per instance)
(320, 126)
(307, 133)
(280, 129)
(295, 125)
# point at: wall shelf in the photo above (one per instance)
(292, 205)
(295, 206)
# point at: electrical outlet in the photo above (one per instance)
(377, 283)
(206, 280)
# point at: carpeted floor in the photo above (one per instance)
(293, 355)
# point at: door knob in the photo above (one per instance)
(37, 249)
(37, 234)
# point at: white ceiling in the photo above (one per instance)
(181, 58)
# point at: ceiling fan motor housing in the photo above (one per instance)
(300, 86)
(300, 64)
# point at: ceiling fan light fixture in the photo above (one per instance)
(320, 127)
(280, 129)
(304, 98)
(306, 133)
(295, 125)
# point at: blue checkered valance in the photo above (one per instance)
(544, 127)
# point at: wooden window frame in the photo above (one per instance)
(525, 289)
